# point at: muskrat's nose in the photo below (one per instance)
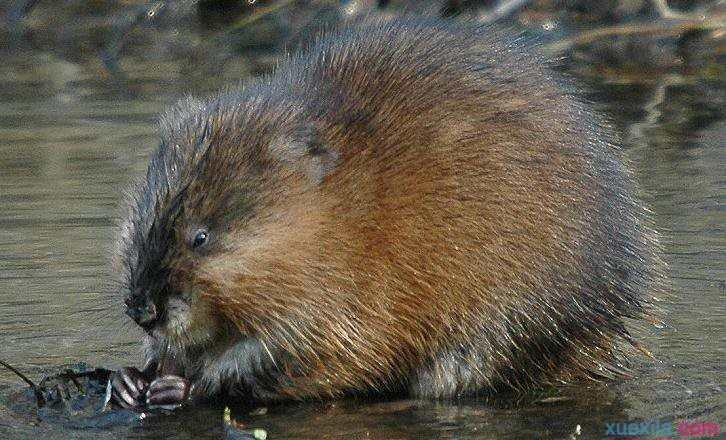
(145, 315)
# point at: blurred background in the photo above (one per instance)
(82, 82)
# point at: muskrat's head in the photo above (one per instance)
(225, 184)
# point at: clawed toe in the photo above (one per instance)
(167, 392)
(128, 387)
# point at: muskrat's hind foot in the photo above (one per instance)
(167, 392)
(128, 386)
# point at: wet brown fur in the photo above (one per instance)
(409, 206)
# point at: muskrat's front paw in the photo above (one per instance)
(127, 387)
(167, 392)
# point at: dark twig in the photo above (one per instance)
(19, 374)
(40, 400)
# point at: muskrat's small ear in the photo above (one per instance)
(304, 150)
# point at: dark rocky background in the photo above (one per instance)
(206, 38)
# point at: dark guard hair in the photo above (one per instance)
(412, 205)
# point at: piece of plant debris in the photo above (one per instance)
(236, 429)
(75, 398)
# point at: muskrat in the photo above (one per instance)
(413, 207)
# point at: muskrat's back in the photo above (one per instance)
(427, 208)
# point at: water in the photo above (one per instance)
(70, 142)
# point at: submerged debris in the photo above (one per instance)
(74, 398)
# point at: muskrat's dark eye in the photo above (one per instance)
(200, 238)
